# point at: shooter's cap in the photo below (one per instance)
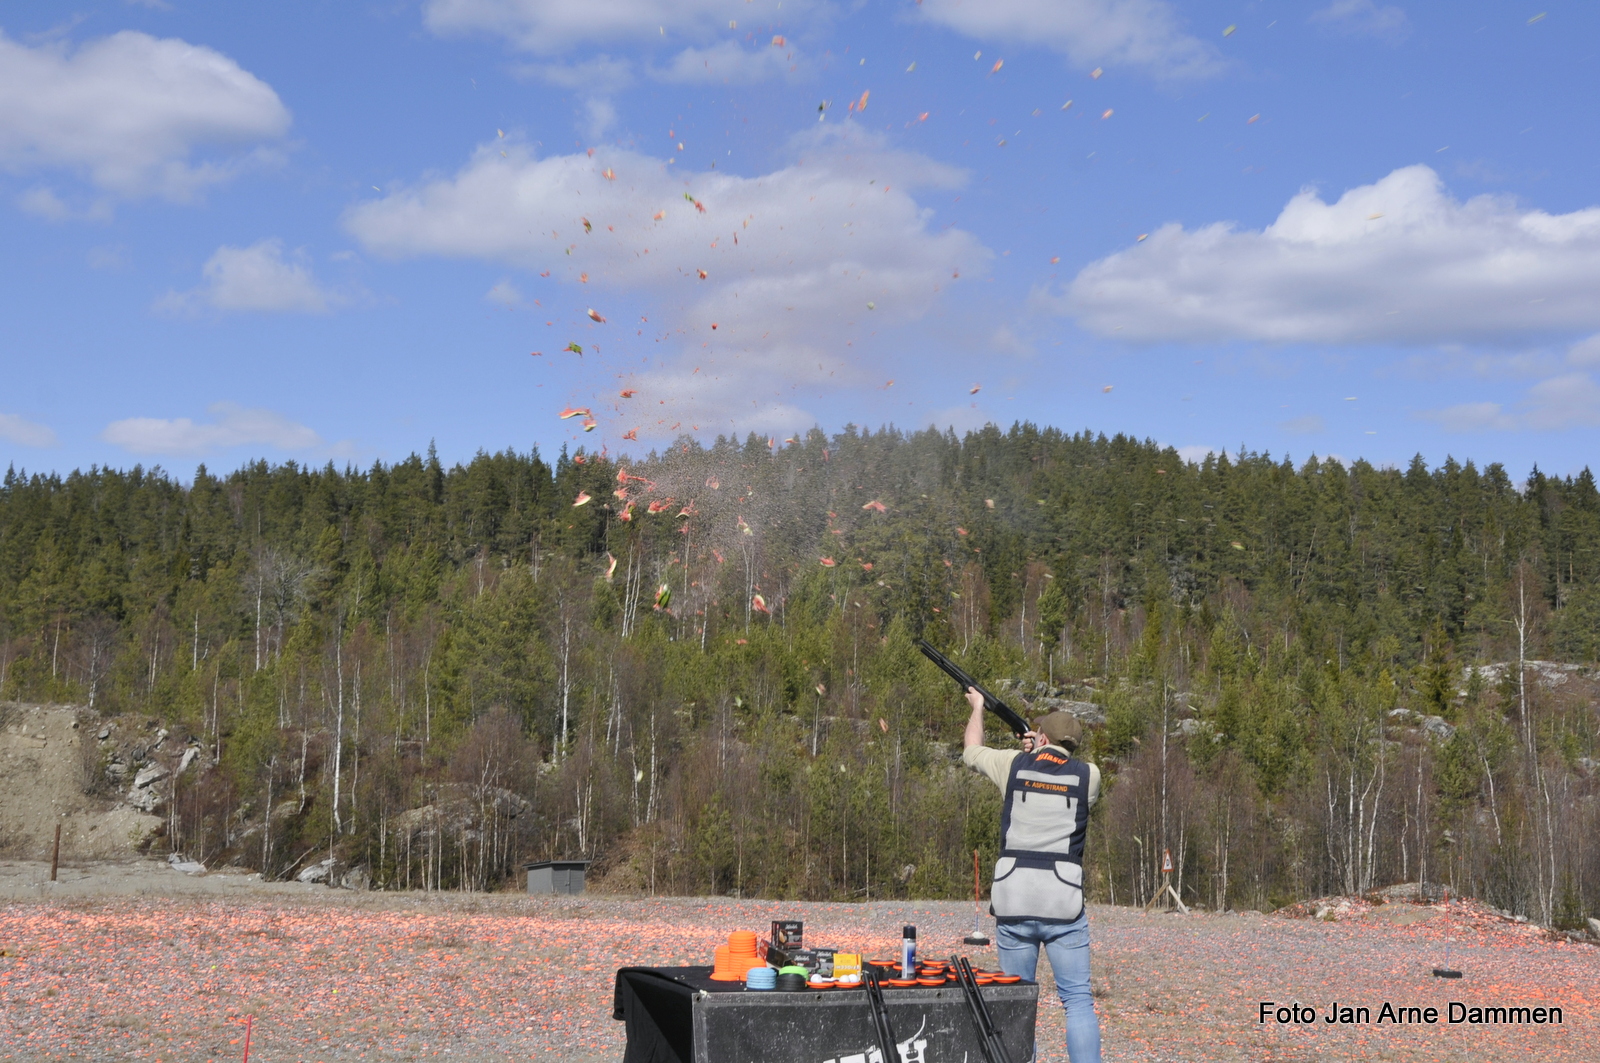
(1062, 728)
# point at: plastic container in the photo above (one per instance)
(908, 952)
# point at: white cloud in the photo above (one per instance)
(1196, 453)
(549, 26)
(1398, 261)
(1585, 352)
(43, 202)
(1470, 417)
(1140, 33)
(108, 256)
(504, 294)
(1365, 18)
(129, 111)
(792, 258)
(1569, 401)
(254, 278)
(234, 426)
(25, 433)
(1310, 424)
(727, 62)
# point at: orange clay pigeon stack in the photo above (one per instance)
(734, 960)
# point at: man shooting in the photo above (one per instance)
(1037, 896)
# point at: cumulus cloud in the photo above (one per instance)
(1310, 424)
(505, 294)
(1147, 34)
(234, 426)
(129, 112)
(1585, 351)
(1569, 401)
(726, 62)
(550, 26)
(1196, 453)
(43, 202)
(256, 278)
(14, 429)
(1364, 18)
(803, 265)
(1397, 261)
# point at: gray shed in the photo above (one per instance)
(556, 876)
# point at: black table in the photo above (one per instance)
(679, 1015)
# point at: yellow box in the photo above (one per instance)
(845, 963)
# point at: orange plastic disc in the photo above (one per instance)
(1007, 979)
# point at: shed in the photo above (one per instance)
(556, 876)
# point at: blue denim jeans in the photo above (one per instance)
(1067, 945)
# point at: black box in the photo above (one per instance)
(817, 961)
(788, 934)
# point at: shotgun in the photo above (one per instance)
(1006, 713)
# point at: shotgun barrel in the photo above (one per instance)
(990, 702)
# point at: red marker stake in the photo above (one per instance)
(249, 1021)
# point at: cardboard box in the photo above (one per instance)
(788, 934)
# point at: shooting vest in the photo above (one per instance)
(1040, 871)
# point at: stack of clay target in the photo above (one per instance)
(932, 974)
(791, 979)
(734, 960)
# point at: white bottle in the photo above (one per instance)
(908, 952)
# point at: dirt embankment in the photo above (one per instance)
(105, 782)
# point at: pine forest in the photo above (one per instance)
(698, 670)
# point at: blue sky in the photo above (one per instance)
(320, 231)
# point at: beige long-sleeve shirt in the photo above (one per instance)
(996, 764)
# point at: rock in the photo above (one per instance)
(1087, 711)
(1594, 927)
(145, 799)
(356, 879)
(188, 758)
(188, 867)
(316, 872)
(161, 736)
(105, 733)
(116, 769)
(1436, 726)
(154, 773)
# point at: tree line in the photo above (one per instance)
(697, 668)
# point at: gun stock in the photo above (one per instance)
(1007, 714)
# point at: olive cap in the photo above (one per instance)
(1062, 728)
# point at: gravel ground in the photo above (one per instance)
(137, 962)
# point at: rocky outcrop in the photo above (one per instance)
(52, 771)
